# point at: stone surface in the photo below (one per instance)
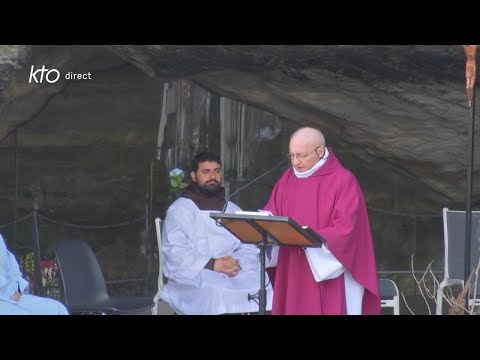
(405, 105)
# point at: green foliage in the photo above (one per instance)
(27, 263)
(177, 183)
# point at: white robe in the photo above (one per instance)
(11, 280)
(190, 239)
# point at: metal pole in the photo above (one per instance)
(36, 252)
(15, 210)
(468, 197)
(262, 294)
(470, 75)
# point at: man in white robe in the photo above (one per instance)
(14, 297)
(209, 270)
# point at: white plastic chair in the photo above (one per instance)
(389, 295)
(454, 247)
(156, 299)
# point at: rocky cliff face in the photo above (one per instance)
(405, 105)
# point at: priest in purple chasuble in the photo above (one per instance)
(317, 191)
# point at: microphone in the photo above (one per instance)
(279, 164)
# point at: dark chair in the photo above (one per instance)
(84, 285)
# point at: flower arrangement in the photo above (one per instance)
(177, 182)
(49, 271)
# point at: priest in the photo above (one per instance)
(317, 191)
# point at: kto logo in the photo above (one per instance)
(51, 75)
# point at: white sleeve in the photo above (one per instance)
(185, 251)
(247, 256)
(271, 256)
(10, 275)
(323, 264)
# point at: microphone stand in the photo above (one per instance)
(281, 163)
(262, 293)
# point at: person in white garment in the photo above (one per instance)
(14, 296)
(209, 271)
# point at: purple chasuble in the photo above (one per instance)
(331, 202)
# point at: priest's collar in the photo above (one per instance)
(317, 166)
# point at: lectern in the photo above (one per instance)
(263, 230)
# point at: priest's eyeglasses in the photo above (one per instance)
(302, 156)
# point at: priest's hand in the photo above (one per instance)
(227, 265)
(15, 296)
